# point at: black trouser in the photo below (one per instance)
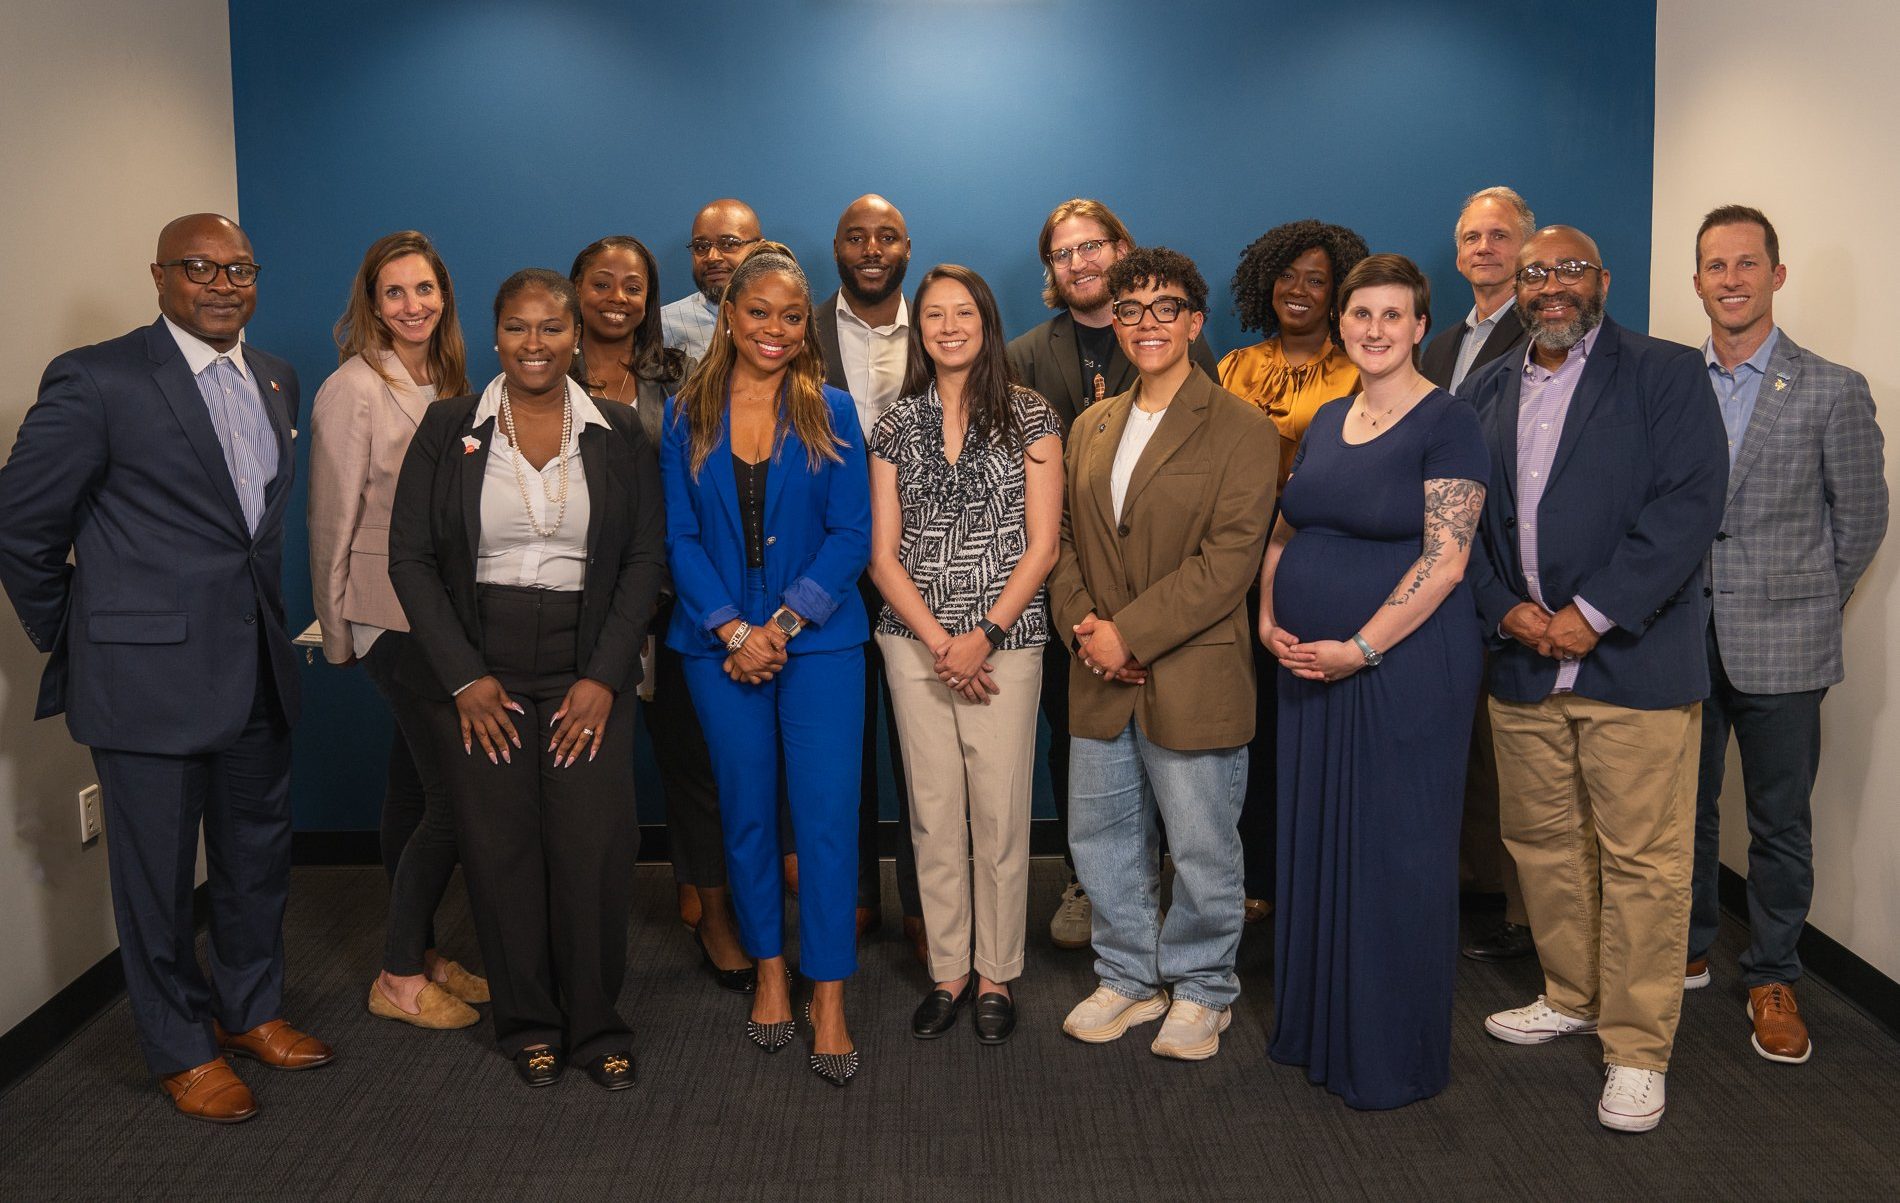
(418, 833)
(1055, 711)
(1779, 736)
(1259, 835)
(868, 810)
(547, 851)
(686, 773)
(154, 804)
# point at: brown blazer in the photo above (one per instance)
(360, 427)
(1174, 572)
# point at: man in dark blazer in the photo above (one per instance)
(1608, 471)
(161, 462)
(1807, 508)
(1074, 360)
(863, 329)
(1491, 227)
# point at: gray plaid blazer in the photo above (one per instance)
(1807, 507)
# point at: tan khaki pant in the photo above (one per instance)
(1597, 804)
(969, 762)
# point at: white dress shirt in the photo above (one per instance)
(874, 360)
(511, 551)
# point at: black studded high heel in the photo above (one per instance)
(774, 1036)
(835, 1068)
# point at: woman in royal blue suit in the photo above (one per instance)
(768, 528)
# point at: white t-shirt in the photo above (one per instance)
(1141, 428)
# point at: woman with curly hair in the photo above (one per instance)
(1286, 287)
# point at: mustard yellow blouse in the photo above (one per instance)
(1289, 395)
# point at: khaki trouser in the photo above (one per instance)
(974, 762)
(1598, 809)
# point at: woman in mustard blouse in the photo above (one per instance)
(1286, 287)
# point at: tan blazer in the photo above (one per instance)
(360, 427)
(1174, 571)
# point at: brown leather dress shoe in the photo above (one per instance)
(1256, 910)
(211, 1092)
(869, 920)
(277, 1045)
(1780, 1035)
(919, 942)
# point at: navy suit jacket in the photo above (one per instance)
(817, 534)
(171, 609)
(1633, 501)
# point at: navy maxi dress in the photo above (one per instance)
(1372, 767)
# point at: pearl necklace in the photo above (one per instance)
(521, 480)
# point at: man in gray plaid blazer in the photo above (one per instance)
(1807, 506)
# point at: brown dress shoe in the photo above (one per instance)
(1779, 1033)
(869, 920)
(919, 942)
(1256, 910)
(277, 1045)
(1695, 974)
(689, 908)
(436, 1009)
(211, 1092)
(469, 987)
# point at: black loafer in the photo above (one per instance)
(739, 981)
(995, 1018)
(612, 1071)
(1505, 942)
(937, 1014)
(538, 1066)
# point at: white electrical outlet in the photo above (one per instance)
(89, 823)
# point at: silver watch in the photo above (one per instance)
(1366, 650)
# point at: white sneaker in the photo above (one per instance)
(1105, 1015)
(1536, 1023)
(1632, 1099)
(1192, 1031)
(1074, 919)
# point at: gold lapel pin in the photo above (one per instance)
(1781, 382)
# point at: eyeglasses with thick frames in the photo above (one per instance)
(204, 271)
(1567, 271)
(1086, 250)
(727, 244)
(1165, 309)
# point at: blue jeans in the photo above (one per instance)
(1117, 789)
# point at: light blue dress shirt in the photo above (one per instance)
(237, 415)
(1736, 391)
(688, 324)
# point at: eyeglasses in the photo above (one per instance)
(727, 244)
(204, 271)
(1567, 271)
(1087, 250)
(1165, 309)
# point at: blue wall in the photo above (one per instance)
(515, 134)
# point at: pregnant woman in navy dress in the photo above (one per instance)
(1379, 651)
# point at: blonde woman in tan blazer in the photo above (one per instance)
(1164, 531)
(399, 347)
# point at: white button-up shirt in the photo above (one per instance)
(874, 360)
(511, 551)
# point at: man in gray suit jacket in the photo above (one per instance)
(1807, 506)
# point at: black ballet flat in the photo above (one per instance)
(937, 1014)
(612, 1071)
(836, 1068)
(539, 1066)
(739, 981)
(771, 1036)
(995, 1018)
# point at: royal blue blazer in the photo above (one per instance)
(1633, 502)
(817, 537)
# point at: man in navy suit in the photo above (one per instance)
(161, 463)
(1609, 468)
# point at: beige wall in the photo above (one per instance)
(118, 118)
(1790, 108)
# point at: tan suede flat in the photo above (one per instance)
(440, 1010)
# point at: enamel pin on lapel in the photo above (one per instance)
(1781, 382)
(470, 444)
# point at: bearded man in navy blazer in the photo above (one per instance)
(161, 463)
(1609, 468)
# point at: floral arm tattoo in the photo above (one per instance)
(1451, 518)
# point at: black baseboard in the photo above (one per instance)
(1872, 992)
(65, 1015)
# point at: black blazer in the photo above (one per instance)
(435, 527)
(824, 323)
(153, 627)
(1046, 360)
(1441, 353)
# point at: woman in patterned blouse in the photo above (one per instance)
(966, 507)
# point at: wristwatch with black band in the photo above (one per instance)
(995, 634)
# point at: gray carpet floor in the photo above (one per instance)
(404, 1114)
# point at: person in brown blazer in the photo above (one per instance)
(398, 346)
(1165, 526)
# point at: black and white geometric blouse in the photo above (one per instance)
(964, 523)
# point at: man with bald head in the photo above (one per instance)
(1589, 577)
(864, 331)
(161, 463)
(721, 233)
